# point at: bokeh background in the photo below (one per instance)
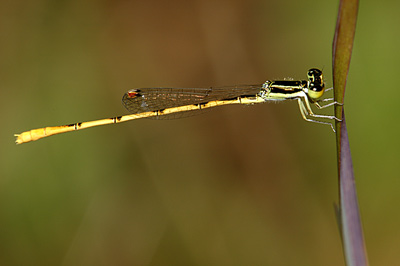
(235, 186)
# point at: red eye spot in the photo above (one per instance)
(133, 93)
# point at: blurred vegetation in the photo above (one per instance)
(235, 186)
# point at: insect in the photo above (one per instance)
(163, 103)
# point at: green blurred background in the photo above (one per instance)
(235, 186)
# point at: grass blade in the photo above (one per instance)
(348, 214)
(351, 227)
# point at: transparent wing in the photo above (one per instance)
(154, 99)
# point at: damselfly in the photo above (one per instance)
(163, 103)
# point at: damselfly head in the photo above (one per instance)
(316, 85)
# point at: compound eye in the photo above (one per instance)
(314, 71)
(318, 88)
(315, 90)
(314, 74)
